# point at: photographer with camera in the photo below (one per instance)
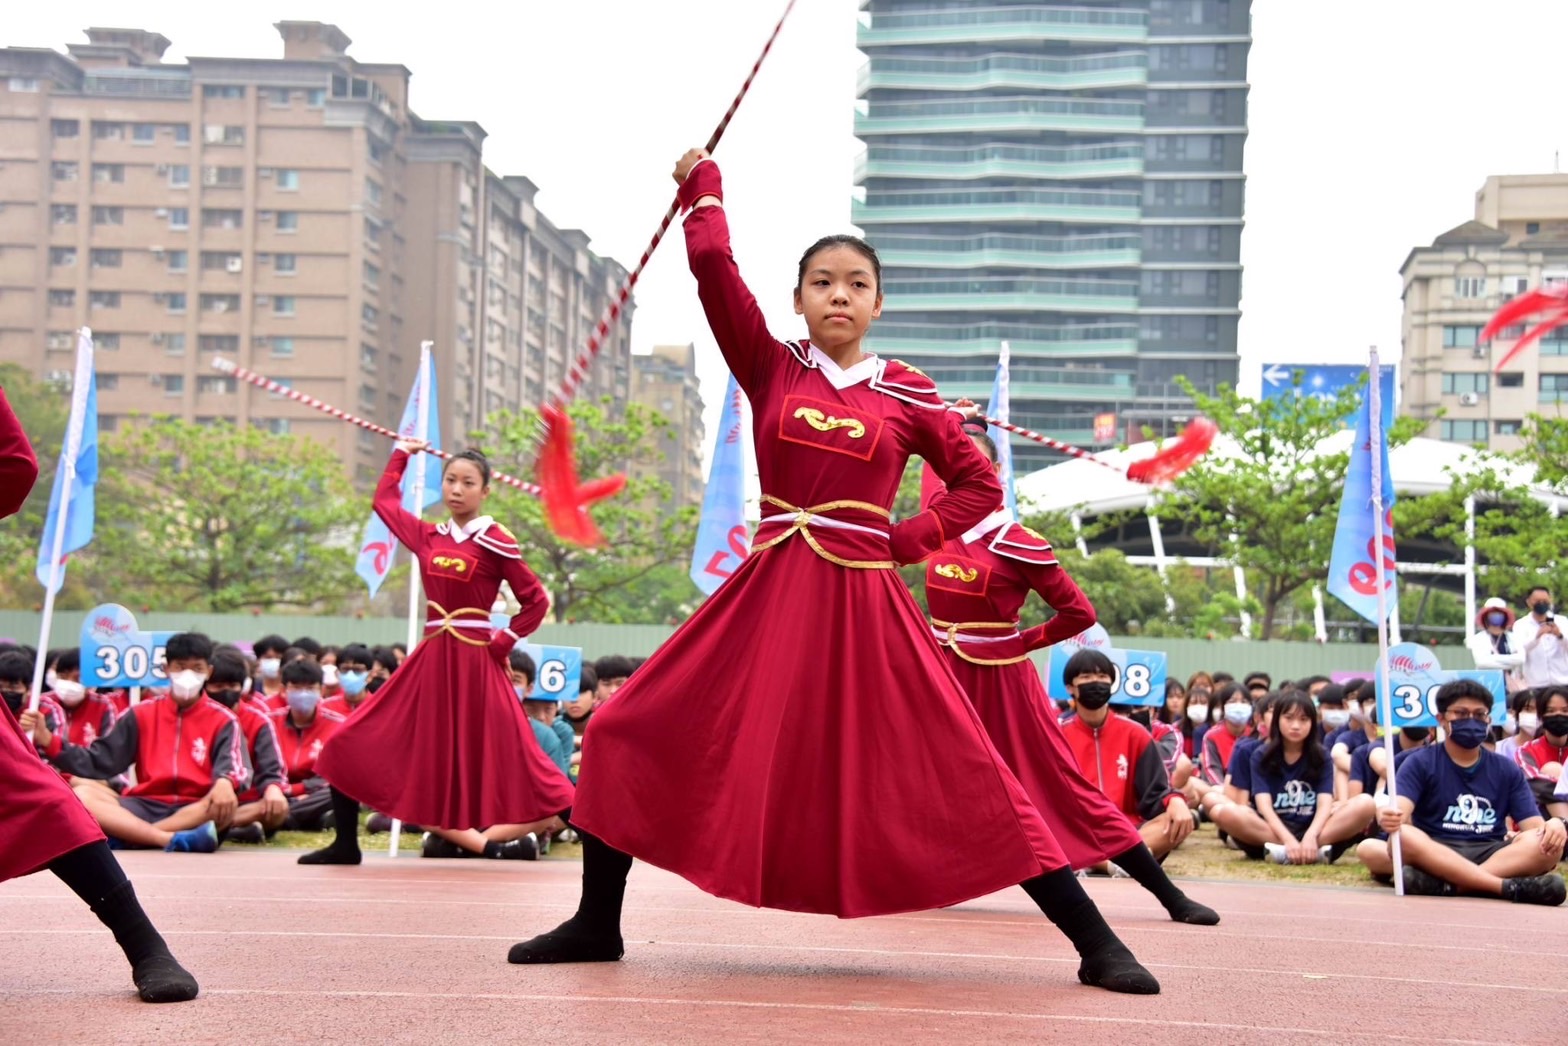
(1539, 635)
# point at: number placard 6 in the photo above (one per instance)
(559, 670)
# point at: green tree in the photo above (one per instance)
(1271, 505)
(630, 580)
(220, 518)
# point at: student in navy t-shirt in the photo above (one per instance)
(1452, 814)
(1293, 788)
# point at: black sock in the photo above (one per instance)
(604, 885)
(1139, 863)
(1107, 962)
(344, 848)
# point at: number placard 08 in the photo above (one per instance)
(1139, 676)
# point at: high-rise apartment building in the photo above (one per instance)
(1517, 240)
(666, 381)
(294, 215)
(1066, 178)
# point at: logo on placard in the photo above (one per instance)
(106, 627)
(1410, 664)
(1470, 813)
(199, 751)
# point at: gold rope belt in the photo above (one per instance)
(949, 630)
(449, 623)
(803, 519)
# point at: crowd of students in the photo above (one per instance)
(226, 752)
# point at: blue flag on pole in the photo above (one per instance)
(722, 538)
(1351, 571)
(80, 455)
(375, 551)
(997, 407)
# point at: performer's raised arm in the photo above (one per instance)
(408, 528)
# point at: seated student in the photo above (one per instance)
(1292, 788)
(612, 672)
(1350, 698)
(189, 753)
(269, 651)
(542, 716)
(1332, 711)
(1230, 805)
(1522, 722)
(353, 668)
(308, 647)
(1454, 802)
(1257, 684)
(1542, 759)
(1362, 731)
(88, 715)
(1314, 685)
(263, 805)
(1235, 711)
(303, 727)
(16, 684)
(580, 710)
(1369, 776)
(383, 662)
(1120, 756)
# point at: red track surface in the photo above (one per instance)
(414, 951)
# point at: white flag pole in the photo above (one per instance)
(73, 446)
(415, 620)
(1386, 709)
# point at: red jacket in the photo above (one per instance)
(90, 720)
(1538, 753)
(301, 747)
(261, 742)
(1124, 761)
(340, 704)
(178, 754)
(1217, 746)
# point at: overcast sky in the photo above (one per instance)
(1373, 123)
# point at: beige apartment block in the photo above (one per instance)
(1518, 240)
(666, 381)
(292, 214)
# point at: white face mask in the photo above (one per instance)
(50, 678)
(70, 693)
(270, 667)
(302, 701)
(186, 685)
(1529, 723)
(1335, 718)
(329, 675)
(1238, 713)
(1198, 714)
(1510, 725)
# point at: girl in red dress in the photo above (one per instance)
(816, 610)
(44, 825)
(974, 587)
(445, 741)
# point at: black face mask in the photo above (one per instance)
(15, 701)
(227, 697)
(375, 683)
(1094, 695)
(1555, 724)
(1417, 734)
(1141, 717)
(1542, 607)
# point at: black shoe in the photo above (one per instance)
(375, 824)
(1339, 849)
(435, 846)
(524, 849)
(1535, 889)
(568, 942)
(333, 854)
(1193, 913)
(1118, 971)
(159, 978)
(250, 834)
(1425, 884)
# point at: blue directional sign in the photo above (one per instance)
(1323, 380)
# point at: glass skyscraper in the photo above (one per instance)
(1066, 178)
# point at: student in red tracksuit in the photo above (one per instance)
(264, 805)
(1543, 758)
(303, 727)
(354, 663)
(16, 677)
(189, 755)
(88, 715)
(42, 825)
(1220, 739)
(1121, 757)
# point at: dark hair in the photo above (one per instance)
(613, 666)
(1311, 681)
(331, 648)
(358, 653)
(1311, 746)
(15, 667)
(1225, 691)
(637, 662)
(1459, 689)
(1521, 700)
(228, 667)
(1163, 712)
(1087, 662)
(983, 440)
(854, 243)
(301, 670)
(185, 646)
(1193, 679)
(1258, 677)
(1260, 707)
(521, 662)
(272, 642)
(476, 458)
(401, 648)
(307, 644)
(588, 681)
(1333, 695)
(1537, 588)
(1222, 677)
(1544, 695)
(384, 657)
(70, 660)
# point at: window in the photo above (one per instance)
(372, 275)
(220, 303)
(63, 170)
(109, 173)
(109, 341)
(144, 133)
(1510, 381)
(223, 134)
(282, 346)
(1554, 388)
(182, 133)
(59, 298)
(65, 128)
(277, 97)
(283, 305)
(1469, 286)
(105, 381)
(367, 357)
(1460, 337)
(175, 300)
(179, 261)
(108, 215)
(61, 341)
(378, 151)
(215, 383)
(316, 97)
(222, 91)
(23, 84)
(104, 299)
(373, 233)
(179, 218)
(367, 395)
(276, 426)
(285, 264)
(218, 343)
(106, 131)
(179, 175)
(106, 258)
(288, 221)
(1507, 427)
(173, 344)
(62, 256)
(173, 384)
(287, 178)
(1463, 431)
(373, 191)
(1457, 384)
(63, 213)
(220, 261)
(1531, 228)
(223, 177)
(221, 218)
(368, 315)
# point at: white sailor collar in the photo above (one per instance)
(461, 533)
(1000, 518)
(843, 377)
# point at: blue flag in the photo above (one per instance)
(375, 551)
(998, 409)
(722, 538)
(1352, 573)
(79, 457)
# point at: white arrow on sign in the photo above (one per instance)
(1274, 374)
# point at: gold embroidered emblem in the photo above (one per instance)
(450, 561)
(912, 368)
(957, 573)
(827, 422)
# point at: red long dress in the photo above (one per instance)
(974, 587)
(446, 742)
(40, 817)
(804, 716)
